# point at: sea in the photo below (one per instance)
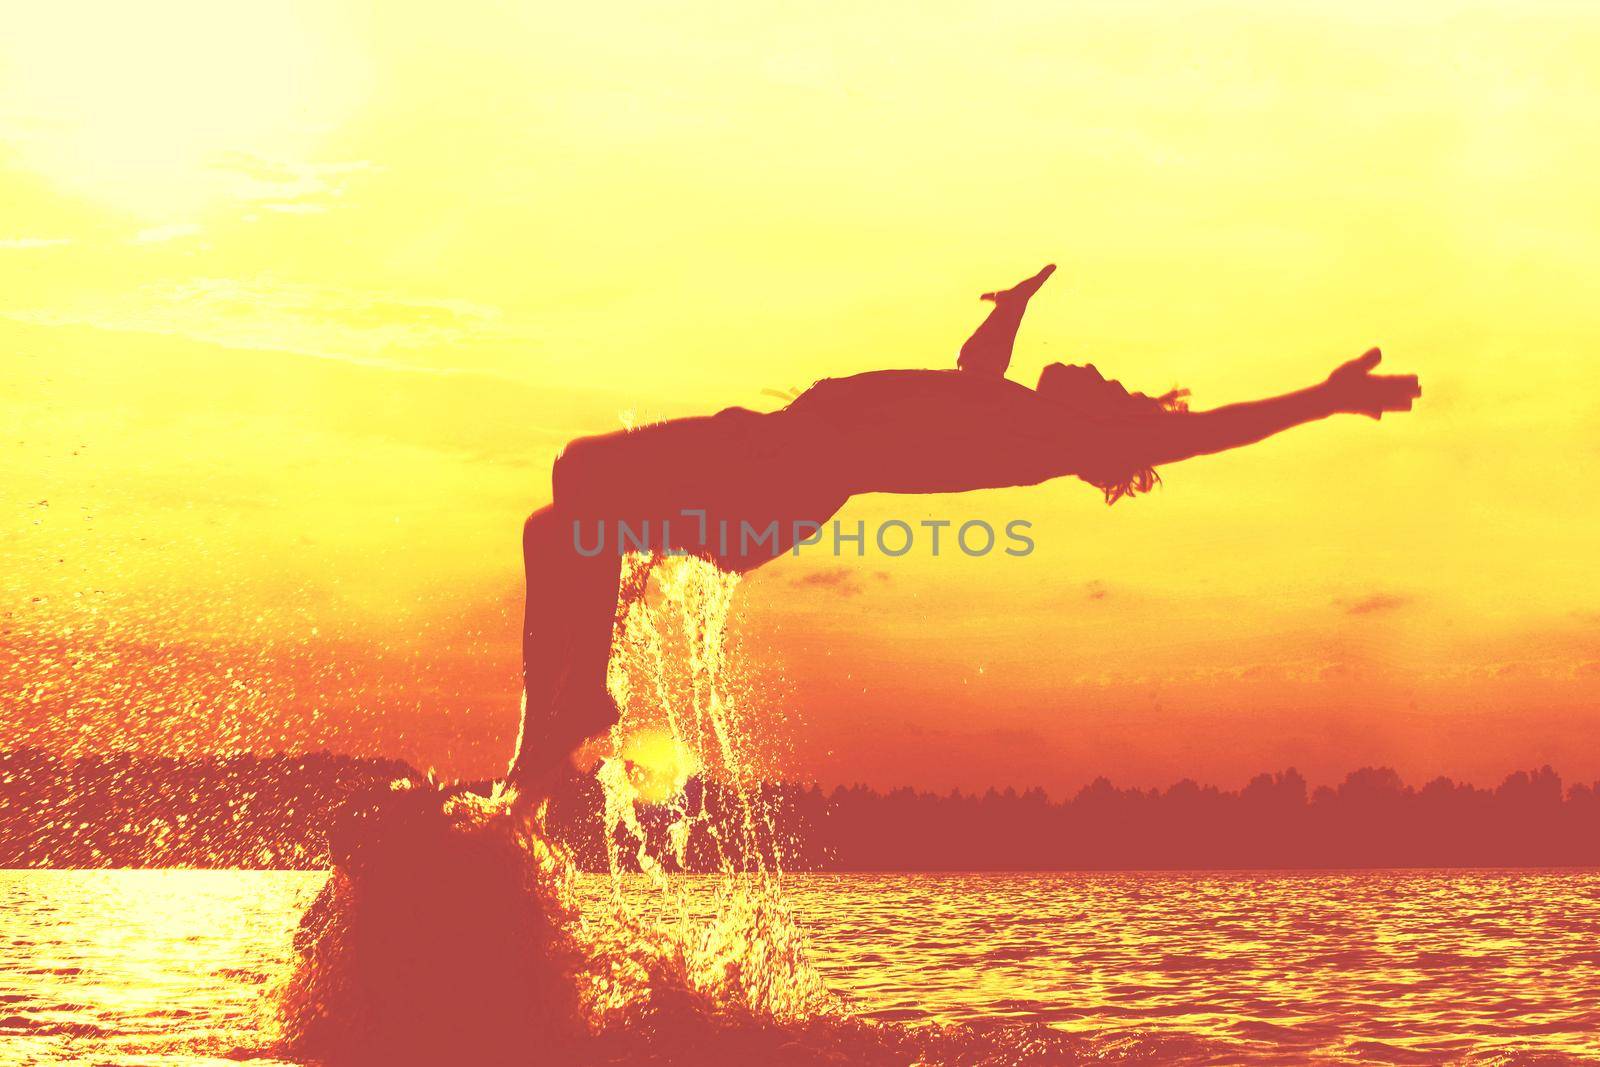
(182, 967)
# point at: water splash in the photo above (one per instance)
(451, 932)
(675, 683)
(451, 928)
(443, 934)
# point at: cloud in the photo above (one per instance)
(151, 235)
(1376, 603)
(1095, 590)
(288, 185)
(1342, 671)
(474, 415)
(354, 325)
(842, 580)
(34, 242)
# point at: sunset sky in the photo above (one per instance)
(298, 301)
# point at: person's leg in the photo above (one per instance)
(988, 350)
(566, 645)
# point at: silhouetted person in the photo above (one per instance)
(784, 474)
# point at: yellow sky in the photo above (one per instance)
(298, 300)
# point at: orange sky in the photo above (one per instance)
(297, 302)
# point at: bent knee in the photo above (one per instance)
(539, 531)
(578, 473)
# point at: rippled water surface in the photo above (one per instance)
(176, 966)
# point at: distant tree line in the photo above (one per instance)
(1371, 819)
(275, 811)
(131, 810)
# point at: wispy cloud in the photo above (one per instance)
(842, 580)
(364, 326)
(151, 235)
(1374, 604)
(33, 242)
(289, 186)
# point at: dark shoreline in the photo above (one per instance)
(250, 812)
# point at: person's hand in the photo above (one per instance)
(1355, 389)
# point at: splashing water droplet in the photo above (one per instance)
(673, 678)
(433, 885)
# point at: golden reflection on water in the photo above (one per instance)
(129, 966)
(173, 967)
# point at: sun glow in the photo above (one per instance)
(659, 765)
(141, 106)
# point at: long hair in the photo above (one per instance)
(1143, 479)
(1110, 400)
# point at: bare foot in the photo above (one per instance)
(1023, 290)
(543, 758)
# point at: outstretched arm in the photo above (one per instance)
(921, 431)
(1352, 389)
